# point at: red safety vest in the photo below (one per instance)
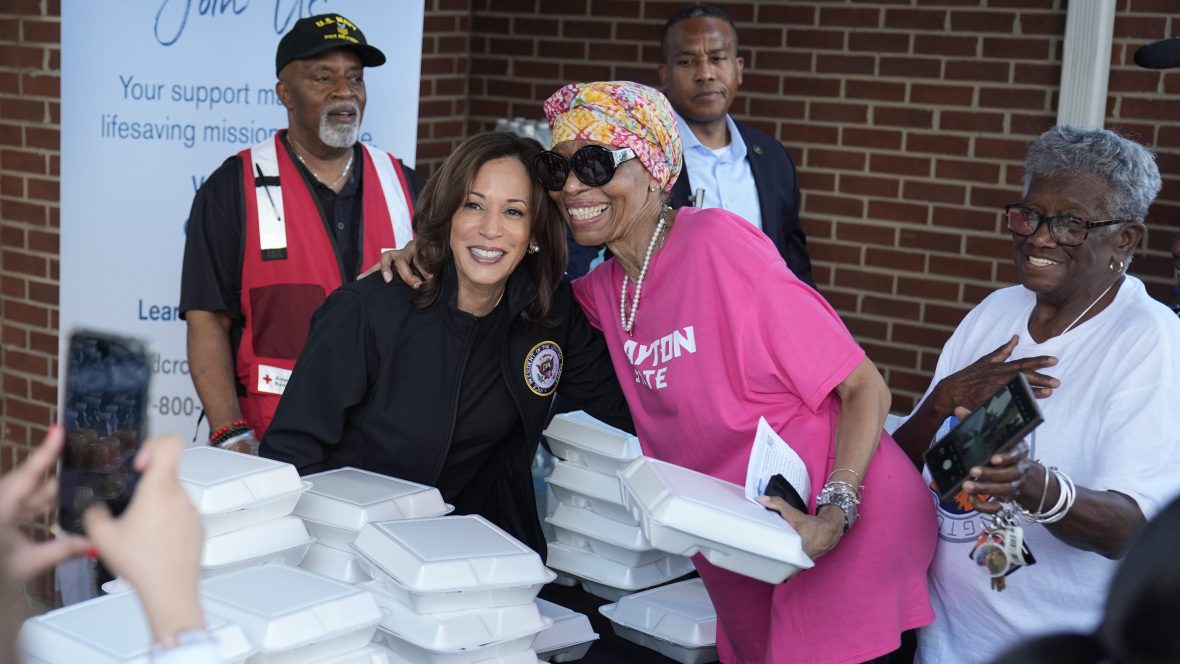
(290, 264)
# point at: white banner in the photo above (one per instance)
(155, 95)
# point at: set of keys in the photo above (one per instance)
(1001, 549)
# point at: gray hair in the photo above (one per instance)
(1127, 167)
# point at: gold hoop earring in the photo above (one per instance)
(1117, 265)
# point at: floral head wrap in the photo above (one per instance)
(620, 114)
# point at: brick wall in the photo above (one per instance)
(908, 119)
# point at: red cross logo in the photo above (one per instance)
(266, 378)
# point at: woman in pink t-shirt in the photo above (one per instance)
(725, 334)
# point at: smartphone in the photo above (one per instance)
(104, 414)
(996, 426)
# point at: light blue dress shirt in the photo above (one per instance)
(724, 174)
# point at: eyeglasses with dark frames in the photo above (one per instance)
(1064, 229)
(594, 165)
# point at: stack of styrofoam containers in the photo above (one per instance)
(245, 503)
(111, 629)
(294, 616)
(341, 501)
(598, 540)
(676, 620)
(568, 639)
(458, 590)
(685, 512)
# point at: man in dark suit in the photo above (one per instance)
(727, 164)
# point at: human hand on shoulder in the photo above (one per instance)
(404, 261)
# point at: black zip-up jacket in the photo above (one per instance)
(377, 387)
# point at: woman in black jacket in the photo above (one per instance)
(450, 384)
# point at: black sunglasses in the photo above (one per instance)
(594, 165)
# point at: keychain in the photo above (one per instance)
(1001, 550)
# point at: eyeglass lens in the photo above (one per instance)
(591, 164)
(1062, 229)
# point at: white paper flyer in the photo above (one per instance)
(770, 456)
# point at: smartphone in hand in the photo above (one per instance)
(1002, 421)
(104, 416)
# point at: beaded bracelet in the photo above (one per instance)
(225, 430)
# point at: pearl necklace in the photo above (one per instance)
(629, 321)
(348, 165)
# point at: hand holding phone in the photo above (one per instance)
(1002, 421)
(104, 414)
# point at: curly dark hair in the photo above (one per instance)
(447, 190)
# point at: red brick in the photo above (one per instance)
(895, 211)
(942, 95)
(1146, 108)
(26, 57)
(927, 288)
(878, 90)
(44, 190)
(939, 314)
(29, 213)
(919, 166)
(621, 8)
(945, 45)
(583, 29)
(977, 70)
(934, 192)
(969, 21)
(27, 411)
(915, 19)
(992, 123)
(837, 112)
(22, 109)
(778, 108)
(1032, 125)
(765, 83)
(1015, 48)
(14, 287)
(863, 234)
(972, 171)
(814, 39)
(888, 306)
(825, 134)
(1012, 98)
(43, 293)
(1141, 27)
(879, 42)
(21, 312)
(41, 85)
(890, 355)
(787, 14)
(863, 328)
(783, 60)
(15, 386)
(1043, 24)
(1037, 74)
(910, 67)
(836, 205)
(42, 32)
(845, 64)
(868, 186)
(838, 159)
(546, 69)
(852, 17)
(903, 116)
(864, 281)
(611, 51)
(959, 266)
(811, 86)
(998, 247)
(879, 139)
(834, 252)
(817, 181)
(985, 198)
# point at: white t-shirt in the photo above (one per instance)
(1114, 424)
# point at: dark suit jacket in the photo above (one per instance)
(778, 196)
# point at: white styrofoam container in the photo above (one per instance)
(293, 615)
(349, 498)
(481, 654)
(609, 551)
(568, 639)
(452, 631)
(111, 629)
(232, 490)
(451, 563)
(585, 565)
(334, 564)
(604, 591)
(582, 487)
(331, 536)
(685, 512)
(282, 540)
(676, 620)
(592, 524)
(581, 439)
(526, 656)
(371, 654)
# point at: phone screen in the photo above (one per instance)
(104, 416)
(1002, 421)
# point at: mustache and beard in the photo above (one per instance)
(335, 134)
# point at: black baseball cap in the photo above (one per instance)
(323, 32)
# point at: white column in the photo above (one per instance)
(1089, 27)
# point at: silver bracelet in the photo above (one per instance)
(842, 495)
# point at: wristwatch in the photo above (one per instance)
(847, 501)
